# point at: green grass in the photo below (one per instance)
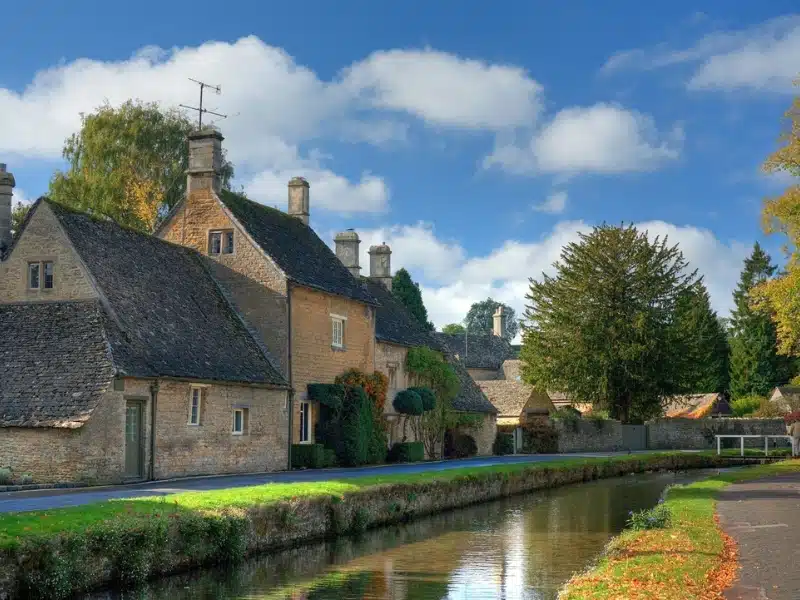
(684, 561)
(15, 526)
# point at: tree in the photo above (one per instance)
(407, 292)
(706, 352)
(756, 366)
(128, 163)
(780, 296)
(18, 214)
(454, 329)
(603, 328)
(480, 318)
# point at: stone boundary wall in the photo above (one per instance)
(698, 434)
(589, 436)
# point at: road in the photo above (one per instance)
(49, 499)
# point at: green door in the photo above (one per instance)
(134, 455)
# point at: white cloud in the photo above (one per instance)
(451, 280)
(443, 89)
(555, 203)
(602, 138)
(763, 57)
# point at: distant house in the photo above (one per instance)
(122, 360)
(483, 354)
(697, 406)
(786, 396)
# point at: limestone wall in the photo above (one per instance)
(589, 436)
(698, 434)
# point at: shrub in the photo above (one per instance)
(658, 517)
(792, 417)
(376, 385)
(428, 397)
(459, 445)
(746, 405)
(596, 415)
(25, 479)
(566, 413)
(330, 395)
(407, 452)
(408, 402)
(308, 456)
(378, 442)
(6, 476)
(540, 438)
(503, 444)
(356, 428)
(768, 410)
(328, 457)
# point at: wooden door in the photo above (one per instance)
(134, 439)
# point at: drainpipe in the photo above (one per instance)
(289, 368)
(153, 406)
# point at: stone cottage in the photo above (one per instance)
(122, 360)
(396, 331)
(787, 397)
(483, 354)
(314, 317)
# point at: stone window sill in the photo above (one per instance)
(339, 348)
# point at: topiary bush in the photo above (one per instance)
(308, 456)
(428, 397)
(503, 444)
(330, 395)
(407, 452)
(408, 402)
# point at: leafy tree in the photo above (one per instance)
(480, 318)
(603, 327)
(454, 329)
(706, 351)
(18, 214)
(128, 163)
(407, 291)
(756, 366)
(780, 296)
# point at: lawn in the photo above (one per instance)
(690, 559)
(15, 526)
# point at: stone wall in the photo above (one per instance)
(44, 240)
(485, 434)
(698, 434)
(589, 436)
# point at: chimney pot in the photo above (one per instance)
(347, 243)
(7, 184)
(299, 199)
(380, 264)
(499, 325)
(205, 160)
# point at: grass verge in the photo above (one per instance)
(690, 559)
(57, 553)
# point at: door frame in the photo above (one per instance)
(141, 403)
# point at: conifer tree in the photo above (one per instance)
(407, 292)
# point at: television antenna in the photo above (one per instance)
(200, 110)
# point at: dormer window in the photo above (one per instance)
(41, 275)
(220, 242)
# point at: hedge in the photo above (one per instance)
(407, 452)
(503, 444)
(327, 394)
(312, 456)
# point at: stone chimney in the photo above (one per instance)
(499, 317)
(7, 184)
(205, 160)
(347, 244)
(380, 265)
(298, 198)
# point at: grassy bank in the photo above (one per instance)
(692, 558)
(60, 552)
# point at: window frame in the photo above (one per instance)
(212, 235)
(305, 422)
(199, 391)
(243, 411)
(222, 236)
(342, 321)
(38, 266)
(43, 274)
(226, 233)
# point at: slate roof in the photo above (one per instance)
(162, 315)
(470, 397)
(697, 406)
(297, 250)
(56, 363)
(510, 397)
(393, 323)
(478, 351)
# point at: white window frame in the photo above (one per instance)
(225, 234)
(195, 389)
(305, 422)
(342, 322)
(243, 412)
(38, 266)
(211, 235)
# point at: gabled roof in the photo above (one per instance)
(696, 406)
(470, 397)
(295, 248)
(477, 350)
(393, 323)
(788, 390)
(511, 397)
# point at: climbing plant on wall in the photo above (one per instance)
(375, 385)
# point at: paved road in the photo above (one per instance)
(47, 499)
(764, 518)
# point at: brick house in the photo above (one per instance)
(122, 359)
(315, 318)
(396, 331)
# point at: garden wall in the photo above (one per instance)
(698, 434)
(589, 436)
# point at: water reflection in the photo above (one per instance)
(517, 549)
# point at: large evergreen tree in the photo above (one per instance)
(603, 327)
(480, 318)
(407, 291)
(756, 366)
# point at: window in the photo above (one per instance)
(239, 421)
(337, 332)
(392, 377)
(48, 275)
(33, 276)
(220, 242)
(195, 406)
(305, 422)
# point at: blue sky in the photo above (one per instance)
(474, 138)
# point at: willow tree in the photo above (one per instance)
(605, 329)
(127, 163)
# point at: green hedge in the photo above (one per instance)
(308, 456)
(407, 452)
(503, 444)
(327, 394)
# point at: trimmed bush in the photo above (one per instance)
(6, 476)
(428, 397)
(407, 452)
(746, 405)
(503, 444)
(357, 423)
(308, 456)
(459, 445)
(327, 394)
(328, 457)
(408, 402)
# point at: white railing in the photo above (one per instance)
(741, 438)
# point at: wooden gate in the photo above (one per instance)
(634, 437)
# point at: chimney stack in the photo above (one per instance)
(205, 160)
(347, 244)
(499, 321)
(298, 199)
(380, 265)
(7, 184)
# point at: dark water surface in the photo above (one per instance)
(515, 549)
